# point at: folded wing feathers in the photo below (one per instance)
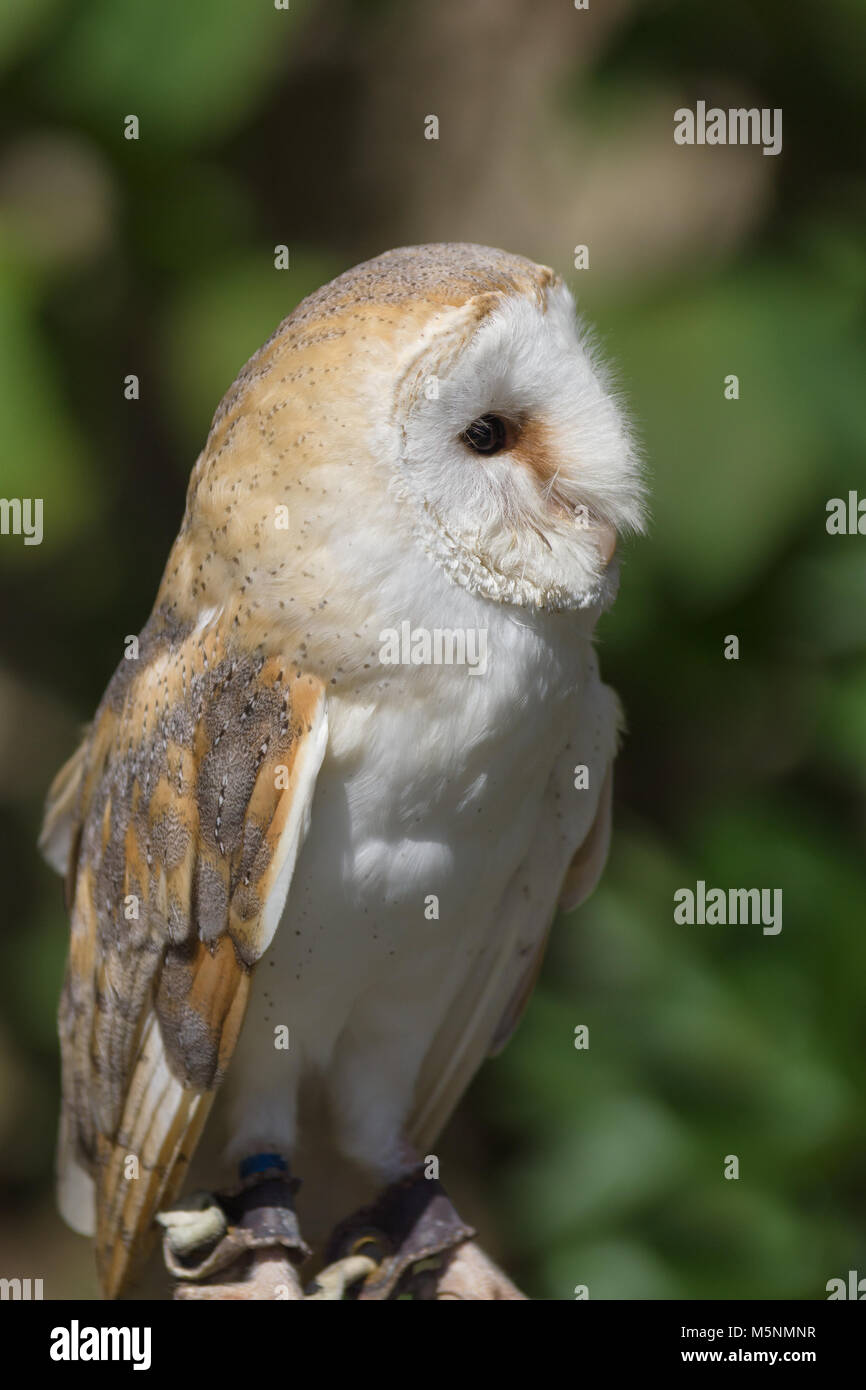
(180, 833)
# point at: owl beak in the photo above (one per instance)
(606, 542)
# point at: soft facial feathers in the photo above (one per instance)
(529, 525)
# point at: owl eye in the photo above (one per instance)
(486, 435)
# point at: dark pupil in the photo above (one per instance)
(486, 435)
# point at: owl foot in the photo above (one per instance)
(419, 1249)
(249, 1237)
(193, 1225)
(333, 1281)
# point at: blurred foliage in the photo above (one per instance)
(600, 1167)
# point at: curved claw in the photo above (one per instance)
(195, 1222)
(333, 1281)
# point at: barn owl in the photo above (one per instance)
(318, 829)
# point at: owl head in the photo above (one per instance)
(448, 392)
(508, 441)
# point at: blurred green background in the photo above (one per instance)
(259, 126)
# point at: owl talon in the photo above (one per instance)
(407, 1235)
(333, 1281)
(193, 1225)
(206, 1235)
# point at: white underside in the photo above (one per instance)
(443, 784)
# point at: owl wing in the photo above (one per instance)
(495, 995)
(178, 821)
